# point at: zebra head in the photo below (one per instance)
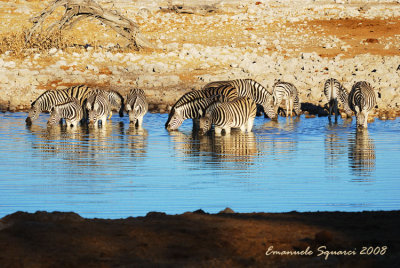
(361, 118)
(205, 122)
(33, 113)
(55, 117)
(94, 113)
(175, 119)
(133, 113)
(269, 109)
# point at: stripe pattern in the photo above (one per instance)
(362, 100)
(251, 89)
(50, 98)
(334, 92)
(71, 111)
(114, 98)
(136, 106)
(286, 91)
(98, 108)
(239, 113)
(189, 105)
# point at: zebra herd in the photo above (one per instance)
(224, 104)
(87, 105)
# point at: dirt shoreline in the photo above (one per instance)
(199, 239)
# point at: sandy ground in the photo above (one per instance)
(322, 239)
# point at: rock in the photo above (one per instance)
(226, 211)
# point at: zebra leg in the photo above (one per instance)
(217, 130)
(228, 130)
(366, 120)
(109, 116)
(335, 107)
(196, 123)
(250, 123)
(140, 121)
(243, 128)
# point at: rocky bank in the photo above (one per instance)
(303, 42)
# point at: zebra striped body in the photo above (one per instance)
(361, 101)
(188, 105)
(136, 106)
(285, 91)
(114, 98)
(71, 111)
(334, 91)
(251, 89)
(50, 98)
(239, 113)
(98, 108)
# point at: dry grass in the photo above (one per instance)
(14, 42)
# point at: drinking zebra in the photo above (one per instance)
(251, 89)
(114, 98)
(98, 108)
(361, 101)
(136, 106)
(284, 90)
(71, 111)
(189, 104)
(333, 90)
(239, 113)
(50, 98)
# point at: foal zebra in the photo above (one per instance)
(361, 101)
(188, 105)
(71, 111)
(98, 108)
(284, 90)
(50, 98)
(251, 89)
(333, 90)
(239, 113)
(136, 106)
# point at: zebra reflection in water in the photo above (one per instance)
(361, 153)
(238, 148)
(137, 141)
(335, 146)
(275, 138)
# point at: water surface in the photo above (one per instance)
(119, 171)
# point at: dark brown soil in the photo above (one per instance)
(198, 239)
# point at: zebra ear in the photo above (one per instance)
(128, 107)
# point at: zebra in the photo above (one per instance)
(50, 98)
(188, 105)
(333, 90)
(361, 101)
(114, 98)
(251, 89)
(71, 110)
(98, 108)
(136, 106)
(239, 113)
(284, 90)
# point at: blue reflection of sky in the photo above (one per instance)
(303, 165)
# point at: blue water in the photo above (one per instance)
(119, 171)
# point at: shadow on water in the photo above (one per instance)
(361, 154)
(238, 148)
